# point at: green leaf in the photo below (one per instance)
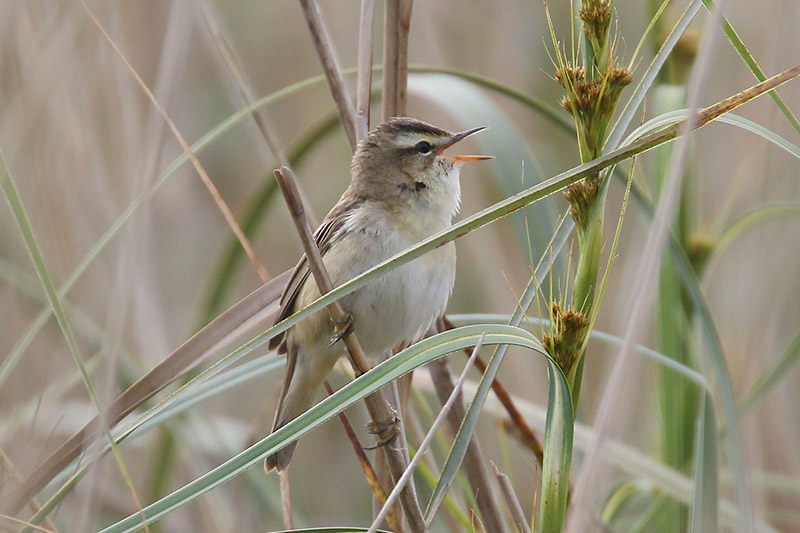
(213, 135)
(751, 63)
(636, 99)
(391, 369)
(459, 448)
(772, 376)
(34, 250)
(183, 400)
(727, 398)
(674, 117)
(557, 453)
(705, 499)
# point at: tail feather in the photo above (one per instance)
(303, 378)
(280, 459)
(295, 404)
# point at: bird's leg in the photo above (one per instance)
(341, 327)
(387, 429)
(382, 426)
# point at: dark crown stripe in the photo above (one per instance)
(410, 125)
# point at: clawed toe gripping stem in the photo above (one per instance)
(341, 328)
(387, 429)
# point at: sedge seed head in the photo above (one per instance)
(569, 332)
(581, 196)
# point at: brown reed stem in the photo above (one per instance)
(333, 69)
(474, 464)
(245, 87)
(512, 502)
(526, 434)
(397, 24)
(378, 491)
(364, 81)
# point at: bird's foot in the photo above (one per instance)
(341, 328)
(387, 429)
(384, 441)
(380, 427)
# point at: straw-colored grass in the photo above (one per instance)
(653, 356)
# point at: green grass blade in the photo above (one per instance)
(751, 63)
(760, 214)
(203, 143)
(162, 413)
(727, 399)
(557, 452)
(642, 88)
(459, 448)
(402, 363)
(673, 117)
(705, 497)
(654, 22)
(37, 258)
(772, 377)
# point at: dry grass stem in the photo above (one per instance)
(261, 303)
(512, 502)
(474, 463)
(377, 405)
(206, 179)
(523, 429)
(333, 69)
(395, 57)
(286, 500)
(450, 403)
(27, 525)
(221, 43)
(378, 491)
(242, 83)
(364, 83)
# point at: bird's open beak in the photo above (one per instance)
(459, 136)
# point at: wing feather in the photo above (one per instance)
(324, 237)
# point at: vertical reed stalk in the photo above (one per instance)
(678, 399)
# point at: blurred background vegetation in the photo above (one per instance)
(83, 142)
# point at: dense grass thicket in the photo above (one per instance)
(627, 264)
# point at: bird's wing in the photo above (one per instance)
(324, 237)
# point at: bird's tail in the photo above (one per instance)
(303, 378)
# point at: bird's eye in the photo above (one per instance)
(423, 147)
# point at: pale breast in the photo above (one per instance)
(402, 305)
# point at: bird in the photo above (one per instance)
(403, 190)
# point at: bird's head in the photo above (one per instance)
(403, 161)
